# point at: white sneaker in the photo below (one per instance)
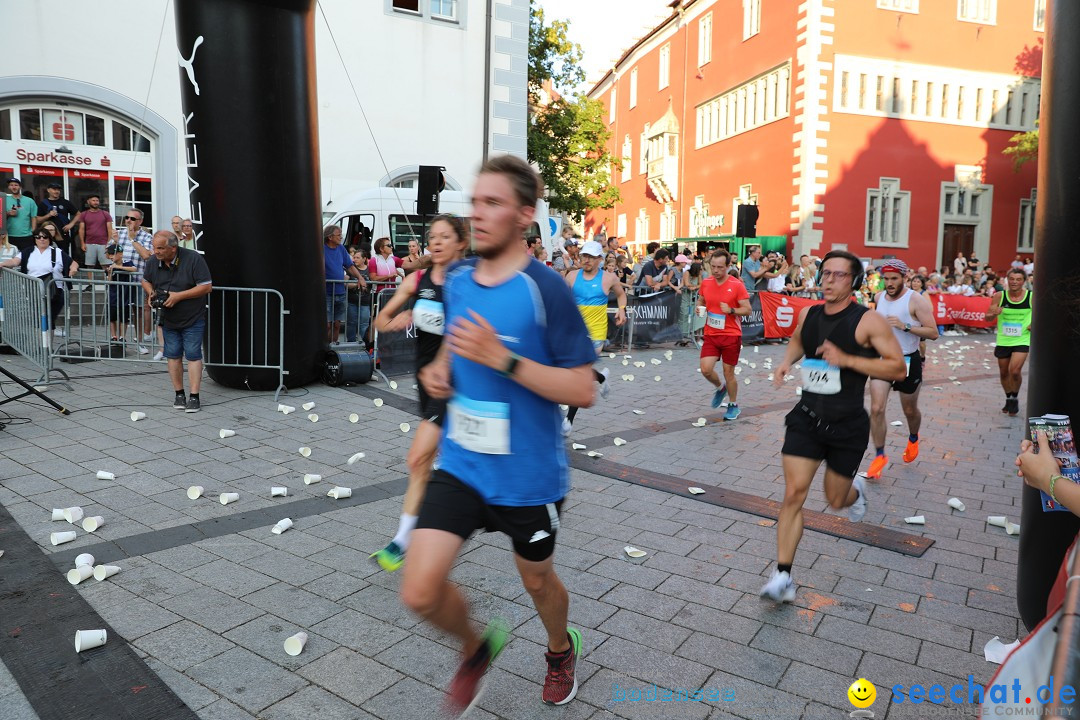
(159, 355)
(59, 332)
(566, 427)
(858, 510)
(779, 588)
(143, 350)
(148, 338)
(605, 387)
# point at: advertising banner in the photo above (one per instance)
(656, 318)
(753, 328)
(960, 310)
(780, 313)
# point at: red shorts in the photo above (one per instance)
(725, 347)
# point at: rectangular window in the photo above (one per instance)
(665, 66)
(643, 158)
(620, 225)
(5, 124)
(30, 124)
(929, 99)
(844, 76)
(627, 160)
(1009, 107)
(1023, 109)
(444, 9)
(407, 5)
(887, 214)
(862, 91)
(944, 101)
(633, 88)
(977, 11)
(137, 193)
(121, 135)
(978, 104)
(871, 214)
(611, 106)
(911, 6)
(704, 40)
(751, 18)
(959, 103)
(95, 130)
(1025, 235)
(62, 126)
(756, 102)
(914, 97)
(896, 96)
(1040, 15)
(879, 103)
(949, 197)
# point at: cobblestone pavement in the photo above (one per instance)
(207, 595)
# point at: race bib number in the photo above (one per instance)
(820, 377)
(428, 316)
(716, 320)
(1012, 329)
(480, 426)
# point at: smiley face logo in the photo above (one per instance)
(862, 693)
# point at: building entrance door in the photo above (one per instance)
(957, 238)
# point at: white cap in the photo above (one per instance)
(592, 248)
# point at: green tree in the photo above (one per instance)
(1025, 147)
(567, 135)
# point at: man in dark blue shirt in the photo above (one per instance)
(338, 262)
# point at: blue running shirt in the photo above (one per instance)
(500, 438)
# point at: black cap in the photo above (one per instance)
(13, 180)
(56, 185)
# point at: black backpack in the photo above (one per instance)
(63, 259)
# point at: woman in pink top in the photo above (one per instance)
(383, 265)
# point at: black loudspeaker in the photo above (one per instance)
(746, 221)
(431, 183)
(346, 368)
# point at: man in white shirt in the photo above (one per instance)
(959, 287)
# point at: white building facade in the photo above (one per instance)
(401, 83)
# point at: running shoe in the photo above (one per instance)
(180, 401)
(1006, 406)
(605, 386)
(159, 355)
(732, 412)
(390, 558)
(467, 687)
(718, 396)
(911, 451)
(779, 588)
(878, 464)
(560, 685)
(148, 338)
(858, 509)
(142, 350)
(566, 427)
(192, 405)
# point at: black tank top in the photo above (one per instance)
(840, 330)
(428, 319)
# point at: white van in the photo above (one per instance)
(365, 216)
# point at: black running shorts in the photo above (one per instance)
(914, 377)
(453, 506)
(431, 409)
(1003, 351)
(841, 442)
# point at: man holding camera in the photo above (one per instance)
(177, 282)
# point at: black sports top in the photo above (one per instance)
(428, 318)
(838, 328)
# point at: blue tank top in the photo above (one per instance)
(500, 438)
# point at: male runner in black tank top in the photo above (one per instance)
(844, 344)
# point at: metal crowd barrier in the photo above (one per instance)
(25, 319)
(1065, 668)
(255, 319)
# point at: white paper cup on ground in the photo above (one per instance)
(195, 492)
(84, 559)
(73, 514)
(313, 417)
(79, 574)
(1012, 528)
(226, 498)
(356, 458)
(105, 475)
(89, 639)
(105, 571)
(295, 644)
(997, 520)
(354, 418)
(91, 524)
(281, 526)
(223, 433)
(915, 520)
(137, 416)
(279, 491)
(308, 405)
(377, 402)
(59, 538)
(312, 478)
(957, 504)
(286, 409)
(404, 427)
(305, 451)
(340, 493)
(58, 514)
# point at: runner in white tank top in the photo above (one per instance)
(912, 320)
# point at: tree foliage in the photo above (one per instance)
(567, 135)
(1025, 147)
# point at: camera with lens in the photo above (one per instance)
(157, 302)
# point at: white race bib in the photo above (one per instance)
(1012, 329)
(716, 320)
(820, 377)
(480, 426)
(428, 316)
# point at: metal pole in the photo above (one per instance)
(1053, 383)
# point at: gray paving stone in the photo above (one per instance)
(751, 699)
(793, 617)
(699, 592)
(717, 623)
(895, 645)
(378, 602)
(183, 644)
(136, 617)
(223, 710)
(350, 676)
(631, 573)
(646, 602)
(288, 567)
(212, 609)
(229, 577)
(515, 698)
(194, 695)
(735, 658)
(235, 548)
(408, 698)
(293, 604)
(814, 682)
(923, 628)
(335, 586)
(611, 692)
(648, 665)
(360, 632)
(424, 659)
(246, 679)
(808, 649)
(153, 582)
(312, 702)
(641, 629)
(184, 557)
(266, 635)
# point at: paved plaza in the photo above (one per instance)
(207, 594)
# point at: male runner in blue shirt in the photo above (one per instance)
(515, 349)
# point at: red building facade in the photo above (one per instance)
(875, 126)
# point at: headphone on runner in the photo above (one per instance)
(856, 279)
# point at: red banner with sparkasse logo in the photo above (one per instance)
(780, 313)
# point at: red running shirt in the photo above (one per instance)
(731, 292)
